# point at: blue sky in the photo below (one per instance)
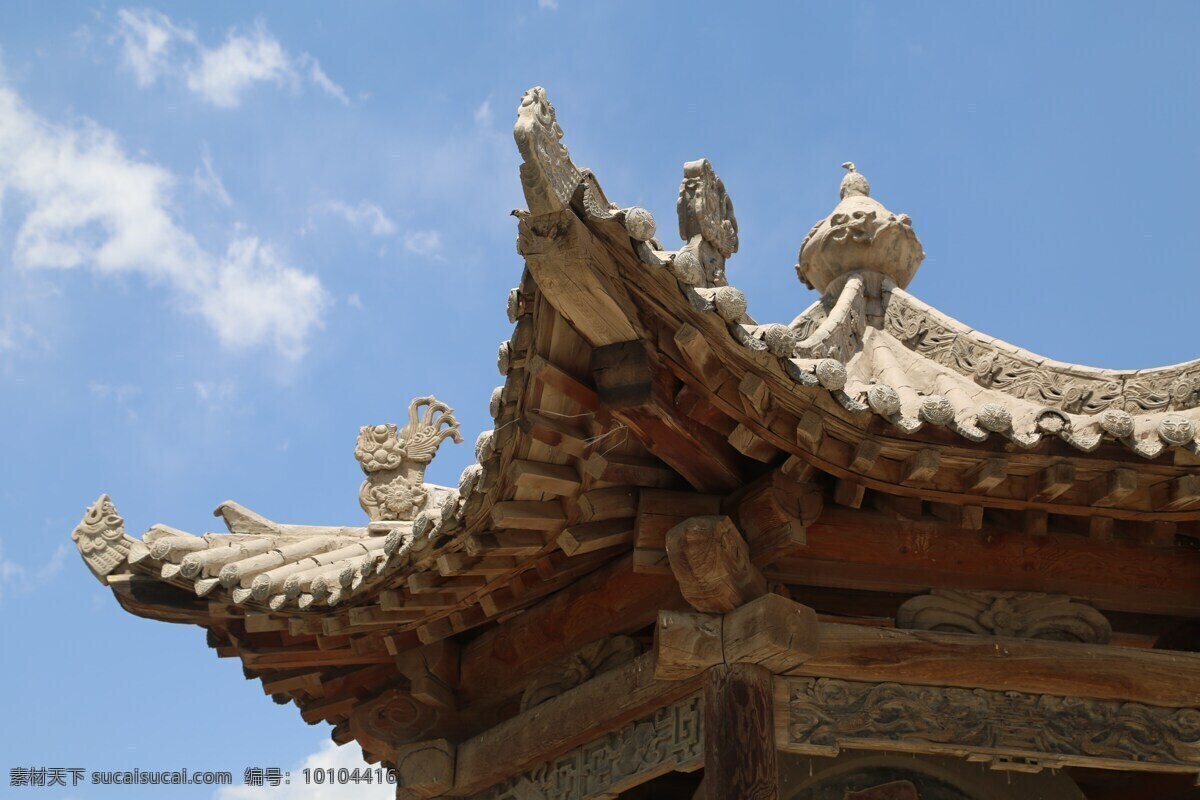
(231, 233)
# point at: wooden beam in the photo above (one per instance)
(1110, 489)
(748, 443)
(920, 466)
(1052, 482)
(699, 355)
(686, 643)
(772, 631)
(658, 511)
(610, 600)
(865, 454)
(739, 733)
(562, 255)
(605, 703)
(554, 479)
(873, 552)
(711, 561)
(927, 658)
(848, 493)
(425, 769)
(1176, 494)
(591, 536)
(556, 433)
(536, 515)
(639, 392)
(985, 476)
(773, 513)
(631, 470)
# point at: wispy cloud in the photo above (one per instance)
(15, 334)
(552, 5)
(364, 216)
(329, 756)
(423, 243)
(90, 205)
(16, 579)
(154, 47)
(209, 182)
(483, 113)
(149, 41)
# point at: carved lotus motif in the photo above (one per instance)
(400, 498)
(1003, 618)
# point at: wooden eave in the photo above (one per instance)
(633, 401)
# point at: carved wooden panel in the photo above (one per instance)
(1021, 614)
(820, 716)
(671, 739)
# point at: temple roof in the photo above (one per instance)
(638, 388)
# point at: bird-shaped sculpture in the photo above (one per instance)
(855, 183)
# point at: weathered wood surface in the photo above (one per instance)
(611, 600)
(861, 653)
(639, 392)
(1012, 729)
(670, 739)
(558, 251)
(424, 769)
(604, 704)
(771, 630)
(739, 733)
(872, 552)
(711, 561)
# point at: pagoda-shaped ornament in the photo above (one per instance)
(859, 236)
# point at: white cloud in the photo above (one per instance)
(423, 243)
(154, 47)
(209, 182)
(354, 301)
(252, 297)
(364, 217)
(483, 114)
(15, 335)
(550, 4)
(322, 81)
(225, 72)
(147, 40)
(12, 575)
(16, 579)
(89, 205)
(329, 756)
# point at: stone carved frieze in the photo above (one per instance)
(394, 459)
(578, 668)
(1023, 375)
(100, 537)
(706, 222)
(1017, 614)
(548, 176)
(823, 715)
(672, 739)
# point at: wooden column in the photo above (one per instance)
(739, 733)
